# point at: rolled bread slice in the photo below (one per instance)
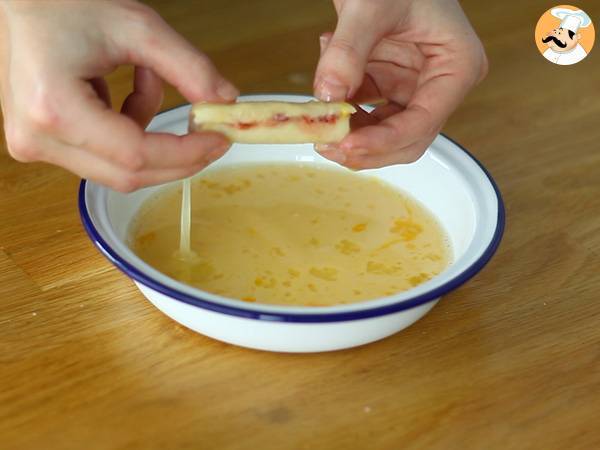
(274, 122)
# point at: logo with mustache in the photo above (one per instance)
(564, 35)
(555, 40)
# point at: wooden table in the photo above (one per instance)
(510, 360)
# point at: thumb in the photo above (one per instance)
(344, 55)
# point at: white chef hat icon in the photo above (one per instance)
(571, 19)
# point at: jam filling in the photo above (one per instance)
(280, 118)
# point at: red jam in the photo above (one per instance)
(246, 125)
(328, 118)
(279, 118)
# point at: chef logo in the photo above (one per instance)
(564, 35)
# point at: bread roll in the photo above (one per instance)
(274, 122)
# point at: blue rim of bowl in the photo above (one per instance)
(278, 316)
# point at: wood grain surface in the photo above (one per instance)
(509, 361)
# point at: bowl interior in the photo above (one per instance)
(446, 180)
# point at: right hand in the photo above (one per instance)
(56, 104)
(421, 56)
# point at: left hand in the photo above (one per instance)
(420, 56)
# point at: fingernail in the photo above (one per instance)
(323, 40)
(227, 91)
(330, 89)
(325, 147)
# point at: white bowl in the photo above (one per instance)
(449, 181)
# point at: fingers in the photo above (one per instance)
(423, 117)
(444, 88)
(388, 81)
(359, 121)
(168, 54)
(332, 153)
(404, 134)
(99, 85)
(445, 80)
(342, 65)
(402, 54)
(367, 160)
(424, 71)
(392, 72)
(62, 113)
(384, 111)
(368, 91)
(394, 132)
(145, 100)
(118, 138)
(92, 167)
(396, 83)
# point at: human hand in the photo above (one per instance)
(421, 56)
(56, 104)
